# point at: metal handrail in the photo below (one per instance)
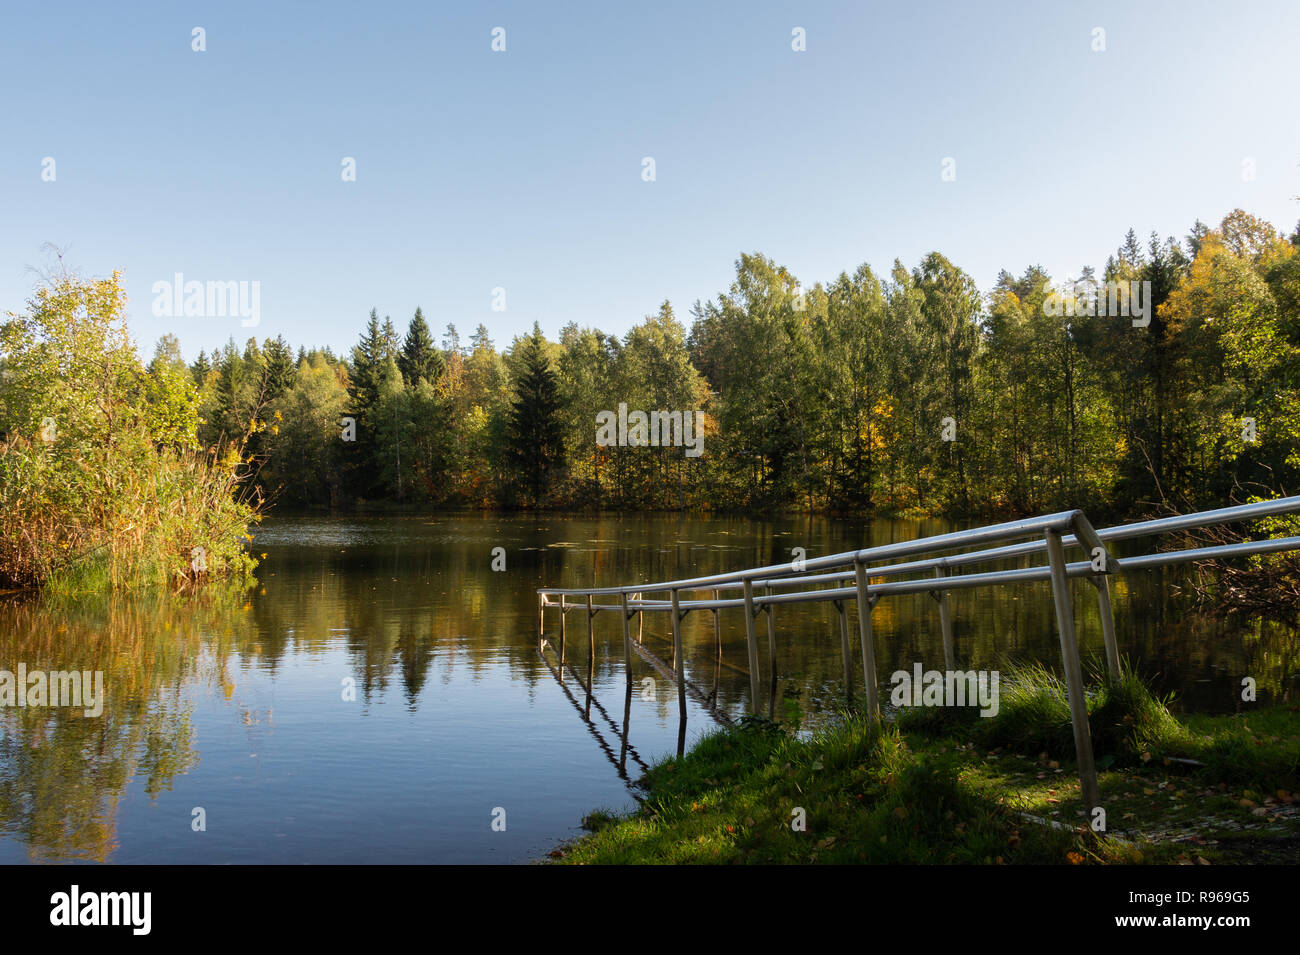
(1060, 521)
(966, 581)
(787, 576)
(873, 564)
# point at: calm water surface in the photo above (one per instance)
(379, 695)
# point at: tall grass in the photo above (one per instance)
(102, 481)
(122, 514)
(1129, 725)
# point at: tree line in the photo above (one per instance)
(911, 391)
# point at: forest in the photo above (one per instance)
(911, 391)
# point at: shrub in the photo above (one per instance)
(102, 480)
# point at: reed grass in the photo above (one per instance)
(130, 513)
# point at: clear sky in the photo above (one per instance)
(523, 169)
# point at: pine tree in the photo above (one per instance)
(451, 341)
(389, 342)
(419, 357)
(364, 376)
(200, 369)
(363, 373)
(535, 434)
(394, 427)
(231, 404)
(278, 368)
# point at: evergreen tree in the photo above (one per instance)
(367, 357)
(451, 341)
(279, 368)
(200, 369)
(229, 416)
(394, 427)
(365, 374)
(535, 433)
(390, 344)
(419, 357)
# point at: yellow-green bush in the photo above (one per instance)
(102, 481)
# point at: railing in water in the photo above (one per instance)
(851, 577)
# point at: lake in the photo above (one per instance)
(379, 696)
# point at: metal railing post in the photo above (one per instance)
(591, 651)
(771, 654)
(869, 687)
(627, 642)
(945, 623)
(1073, 674)
(1102, 583)
(564, 616)
(717, 627)
(680, 666)
(845, 651)
(751, 638)
(627, 717)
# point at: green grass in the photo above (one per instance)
(1129, 726)
(940, 786)
(863, 794)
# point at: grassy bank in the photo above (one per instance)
(936, 788)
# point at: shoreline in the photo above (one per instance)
(927, 789)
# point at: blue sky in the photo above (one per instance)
(522, 169)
